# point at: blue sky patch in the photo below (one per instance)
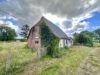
(13, 21)
(94, 22)
(3, 0)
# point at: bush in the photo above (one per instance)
(23, 40)
(83, 39)
(57, 52)
(50, 41)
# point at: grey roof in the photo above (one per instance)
(55, 29)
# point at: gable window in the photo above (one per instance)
(36, 42)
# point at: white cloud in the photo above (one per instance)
(1, 22)
(69, 11)
(91, 2)
(83, 25)
(53, 18)
(9, 24)
(77, 28)
(33, 9)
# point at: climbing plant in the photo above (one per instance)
(49, 40)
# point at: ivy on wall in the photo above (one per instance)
(49, 40)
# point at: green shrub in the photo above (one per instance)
(22, 40)
(60, 52)
(84, 39)
(66, 47)
(49, 40)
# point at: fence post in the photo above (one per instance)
(8, 62)
(38, 53)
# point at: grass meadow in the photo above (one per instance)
(20, 55)
(22, 60)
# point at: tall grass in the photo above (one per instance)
(69, 63)
(20, 56)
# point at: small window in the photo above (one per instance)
(36, 42)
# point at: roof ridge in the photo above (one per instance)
(56, 30)
(46, 20)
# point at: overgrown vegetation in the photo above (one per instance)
(97, 35)
(97, 45)
(49, 40)
(20, 56)
(93, 61)
(97, 31)
(66, 65)
(84, 38)
(22, 60)
(7, 34)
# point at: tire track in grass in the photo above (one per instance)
(91, 65)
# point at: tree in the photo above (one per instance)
(96, 35)
(91, 34)
(83, 38)
(97, 31)
(6, 33)
(25, 30)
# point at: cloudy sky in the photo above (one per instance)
(70, 15)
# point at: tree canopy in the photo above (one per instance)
(84, 38)
(97, 35)
(97, 31)
(6, 33)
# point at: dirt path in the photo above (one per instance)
(91, 65)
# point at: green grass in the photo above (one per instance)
(68, 64)
(22, 60)
(91, 65)
(97, 45)
(20, 55)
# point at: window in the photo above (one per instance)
(36, 42)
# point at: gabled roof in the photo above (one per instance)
(56, 30)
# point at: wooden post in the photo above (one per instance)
(38, 53)
(8, 63)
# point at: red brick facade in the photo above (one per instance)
(34, 37)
